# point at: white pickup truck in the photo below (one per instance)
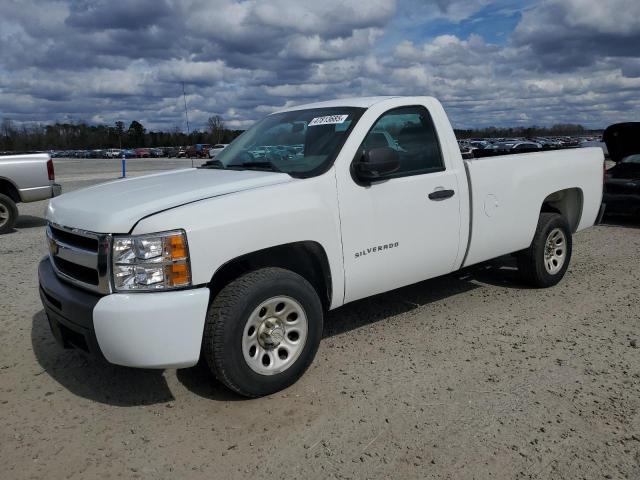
(312, 207)
(24, 178)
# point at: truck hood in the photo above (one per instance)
(115, 207)
(622, 139)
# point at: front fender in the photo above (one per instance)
(223, 228)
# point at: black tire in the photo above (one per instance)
(531, 262)
(225, 325)
(8, 214)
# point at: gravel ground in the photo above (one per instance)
(471, 375)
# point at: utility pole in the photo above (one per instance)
(186, 114)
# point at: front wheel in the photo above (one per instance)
(546, 260)
(8, 214)
(262, 331)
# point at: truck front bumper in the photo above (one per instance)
(146, 330)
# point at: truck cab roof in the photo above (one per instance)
(358, 102)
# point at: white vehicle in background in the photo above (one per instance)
(24, 178)
(515, 146)
(113, 153)
(215, 150)
(239, 260)
(479, 144)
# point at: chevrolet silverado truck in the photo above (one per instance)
(313, 207)
(24, 178)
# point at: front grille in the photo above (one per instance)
(84, 274)
(80, 257)
(74, 240)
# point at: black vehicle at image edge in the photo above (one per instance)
(622, 181)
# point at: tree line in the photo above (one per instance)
(82, 136)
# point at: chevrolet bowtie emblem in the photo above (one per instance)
(53, 247)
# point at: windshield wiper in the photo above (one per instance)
(212, 164)
(263, 164)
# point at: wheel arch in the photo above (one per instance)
(568, 203)
(9, 189)
(306, 258)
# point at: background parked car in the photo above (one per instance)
(113, 153)
(170, 152)
(548, 143)
(518, 146)
(199, 150)
(216, 149)
(622, 181)
(142, 153)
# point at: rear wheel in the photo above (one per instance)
(8, 214)
(262, 331)
(546, 260)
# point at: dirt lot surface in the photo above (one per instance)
(468, 376)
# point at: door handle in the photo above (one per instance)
(441, 194)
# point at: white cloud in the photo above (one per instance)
(328, 17)
(567, 61)
(304, 90)
(617, 17)
(453, 10)
(316, 48)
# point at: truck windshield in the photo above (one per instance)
(302, 143)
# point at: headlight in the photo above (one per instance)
(158, 261)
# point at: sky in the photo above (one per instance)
(491, 63)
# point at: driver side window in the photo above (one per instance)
(409, 131)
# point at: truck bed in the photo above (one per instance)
(504, 188)
(27, 176)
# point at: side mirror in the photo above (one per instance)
(377, 163)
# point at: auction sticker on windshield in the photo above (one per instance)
(328, 120)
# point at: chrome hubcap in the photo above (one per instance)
(274, 335)
(271, 333)
(555, 251)
(4, 215)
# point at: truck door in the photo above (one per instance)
(405, 228)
